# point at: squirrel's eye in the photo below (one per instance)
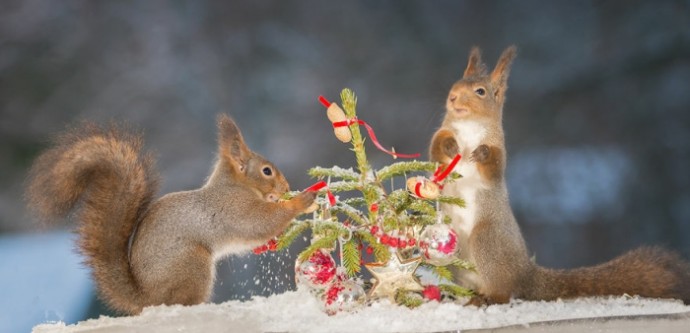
(480, 91)
(267, 171)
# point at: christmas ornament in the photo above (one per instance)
(392, 240)
(317, 272)
(336, 115)
(439, 244)
(393, 275)
(340, 121)
(344, 295)
(271, 245)
(432, 293)
(423, 188)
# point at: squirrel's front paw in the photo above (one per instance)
(304, 200)
(450, 147)
(481, 154)
(443, 146)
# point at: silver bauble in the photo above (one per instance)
(439, 244)
(317, 272)
(343, 296)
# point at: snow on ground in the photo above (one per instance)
(297, 311)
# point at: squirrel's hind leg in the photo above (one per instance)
(482, 300)
(190, 280)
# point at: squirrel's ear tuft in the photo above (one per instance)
(475, 67)
(231, 143)
(499, 76)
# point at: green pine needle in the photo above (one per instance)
(408, 298)
(351, 258)
(464, 264)
(344, 186)
(453, 177)
(321, 243)
(334, 172)
(422, 220)
(381, 253)
(423, 206)
(349, 100)
(455, 290)
(289, 236)
(352, 213)
(355, 202)
(328, 227)
(289, 195)
(401, 168)
(442, 272)
(452, 201)
(399, 200)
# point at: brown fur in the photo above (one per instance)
(489, 162)
(444, 146)
(495, 244)
(102, 175)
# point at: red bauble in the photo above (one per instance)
(432, 293)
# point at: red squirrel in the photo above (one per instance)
(489, 235)
(147, 252)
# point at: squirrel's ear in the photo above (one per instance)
(499, 77)
(231, 143)
(475, 67)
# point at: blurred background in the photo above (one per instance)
(597, 118)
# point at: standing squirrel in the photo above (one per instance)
(488, 232)
(148, 252)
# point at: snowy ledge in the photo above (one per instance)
(298, 311)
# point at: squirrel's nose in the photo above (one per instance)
(272, 197)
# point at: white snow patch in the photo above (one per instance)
(298, 311)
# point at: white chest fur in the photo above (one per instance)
(469, 135)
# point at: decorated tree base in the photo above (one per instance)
(393, 232)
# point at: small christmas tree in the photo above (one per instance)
(400, 229)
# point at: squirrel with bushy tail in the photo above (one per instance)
(488, 233)
(146, 252)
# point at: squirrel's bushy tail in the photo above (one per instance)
(103, 178)
(647, 271)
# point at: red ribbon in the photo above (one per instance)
(370, 130)
(440, 174)
(319, 185)
(417, 187)
(324, 101)
(316, 187)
